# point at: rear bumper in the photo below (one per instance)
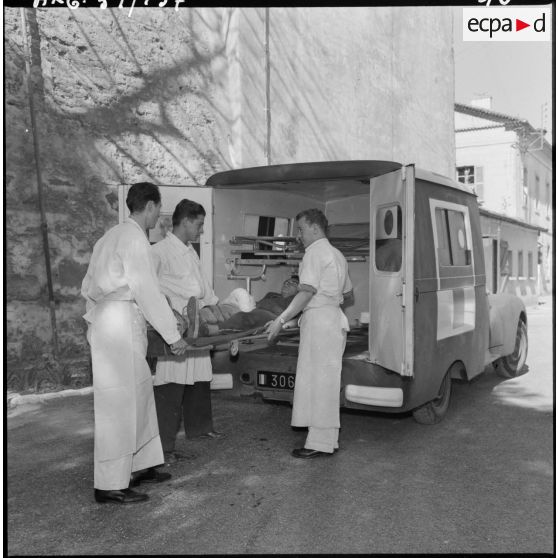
(364, 385)
(374, 396)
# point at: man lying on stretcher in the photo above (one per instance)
(235, 314)
(239, 312)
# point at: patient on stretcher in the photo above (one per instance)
(239, 312)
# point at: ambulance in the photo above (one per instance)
(421, 316)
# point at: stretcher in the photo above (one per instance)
(231, 339)
(228, 340)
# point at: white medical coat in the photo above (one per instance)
(121, 292)
(180, 275)
(323, 334)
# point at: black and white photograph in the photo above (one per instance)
(279, 280)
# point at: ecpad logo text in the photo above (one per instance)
(507, 24)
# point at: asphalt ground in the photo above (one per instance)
(482, 481)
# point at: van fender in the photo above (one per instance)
(505, 311)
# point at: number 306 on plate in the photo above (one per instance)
(276, 380)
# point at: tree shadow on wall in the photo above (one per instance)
(184, 84)
(122, 114)
(107, 114)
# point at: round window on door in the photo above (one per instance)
(388, 241)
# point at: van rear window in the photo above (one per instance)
(388, 247)
(453, 248)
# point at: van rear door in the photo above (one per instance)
(391, 270)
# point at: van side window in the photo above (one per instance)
(451, 227)
(388, 241)
(453, 249)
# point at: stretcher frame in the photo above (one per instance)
(227, 341)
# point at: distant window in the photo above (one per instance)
(453, 247)
(505, 258)
(520, 263)
(506, 261)
(530, 265)
(547, 198)
(473, 176)
(525, 188)
(537, 192)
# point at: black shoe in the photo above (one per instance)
(213, 435)
(173, 456)
(308, 453)
(149, 475)
(124, 496)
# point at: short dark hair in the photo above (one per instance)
(140, 193)
(186, 209)
(314, 217)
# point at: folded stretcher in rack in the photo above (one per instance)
(353, 240)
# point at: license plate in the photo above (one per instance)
(276, 380)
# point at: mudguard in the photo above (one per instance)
(505, 311)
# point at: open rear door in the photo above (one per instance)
(170, 196)
(391, 270)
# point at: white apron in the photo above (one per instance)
(323, 334)
(122, 382)
(189, 368)
(180, 277)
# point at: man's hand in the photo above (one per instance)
(273, 329)
(179, 348)
(181, 322)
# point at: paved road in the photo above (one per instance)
(480, 482)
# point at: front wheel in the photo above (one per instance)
(513, 365)
(434, 411)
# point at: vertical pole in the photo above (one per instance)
(44, 228)
(267, 91)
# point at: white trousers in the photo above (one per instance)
(114, 474)
(126, 431)
(322, 439)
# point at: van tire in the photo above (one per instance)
(513, 365)
(434, 411)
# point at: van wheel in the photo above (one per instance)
(434, 411)
(513, 365)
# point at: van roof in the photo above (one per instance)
(321, 179)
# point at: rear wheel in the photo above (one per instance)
(513, 365)
(434, 411)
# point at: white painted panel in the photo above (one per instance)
(456, 311)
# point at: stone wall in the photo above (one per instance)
(175, 96)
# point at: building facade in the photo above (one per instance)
(173, 96)
(509, 164)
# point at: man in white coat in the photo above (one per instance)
(324, 286)
(182, 383)
(121, 291)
